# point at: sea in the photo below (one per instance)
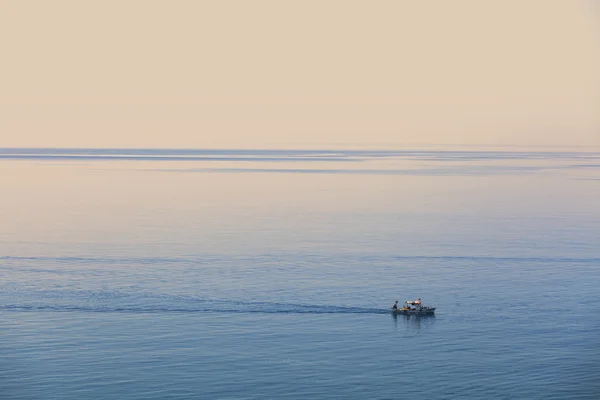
(270, 274)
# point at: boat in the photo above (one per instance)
(414, 307)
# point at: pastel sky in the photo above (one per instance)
(317, 73)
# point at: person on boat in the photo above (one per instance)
(395, 306)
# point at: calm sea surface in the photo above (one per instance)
(235, 274)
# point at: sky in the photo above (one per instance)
(293, 74)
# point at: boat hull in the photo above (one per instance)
(430, 311)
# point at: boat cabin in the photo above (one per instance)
(412, 304)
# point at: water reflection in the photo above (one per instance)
(413, 322)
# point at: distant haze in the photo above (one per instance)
(285, 74)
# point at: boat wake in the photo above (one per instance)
(188, 305)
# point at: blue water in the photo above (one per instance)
(233, 274)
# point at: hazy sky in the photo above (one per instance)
(299, 73)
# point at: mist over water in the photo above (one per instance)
(251, 274)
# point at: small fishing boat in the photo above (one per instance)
(414, 307)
